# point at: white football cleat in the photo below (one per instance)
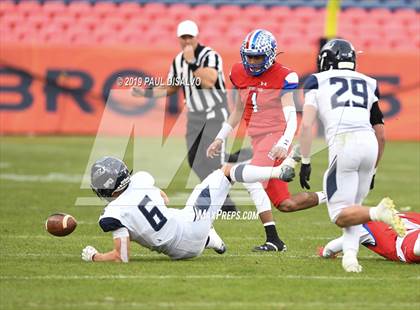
(350, 262)
(215, 242)
(386, 213)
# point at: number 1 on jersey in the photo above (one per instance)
(254, 101)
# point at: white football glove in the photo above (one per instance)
(88, 253)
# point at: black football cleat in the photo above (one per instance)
(221, 250)
(271, 247)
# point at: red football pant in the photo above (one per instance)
(277, 190)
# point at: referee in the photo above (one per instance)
(198, 70)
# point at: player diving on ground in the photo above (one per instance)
(381, 239)
(137, 210)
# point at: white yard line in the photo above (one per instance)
(46, 236)
(209, 276)
(156, 255)
(111, 302)
(4, 164)
(51, 177)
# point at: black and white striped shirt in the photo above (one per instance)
(200, 99)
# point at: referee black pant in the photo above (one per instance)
(201, 132)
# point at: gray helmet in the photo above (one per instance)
(109, 175)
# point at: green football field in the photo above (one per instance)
(42, 175)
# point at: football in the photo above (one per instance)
(60, 224)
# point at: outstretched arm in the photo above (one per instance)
(120, 253)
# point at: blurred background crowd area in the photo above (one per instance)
(60, 60)
(370, 25)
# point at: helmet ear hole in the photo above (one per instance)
(109, 175)
(337, 54)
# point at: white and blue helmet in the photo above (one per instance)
(258, 43)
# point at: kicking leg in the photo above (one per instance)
(249, 173)
(208, 197)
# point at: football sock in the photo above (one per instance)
(271, 232)
(322, 198)
(258, 196)
(351, 238)
(251, 174)
(373, 213)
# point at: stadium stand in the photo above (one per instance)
(297, 24)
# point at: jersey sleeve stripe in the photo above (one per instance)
(310, 83)
(110, 224)
(288, 87)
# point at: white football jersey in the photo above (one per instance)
(343, 99)
(141, 209)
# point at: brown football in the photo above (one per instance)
(60, 224)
